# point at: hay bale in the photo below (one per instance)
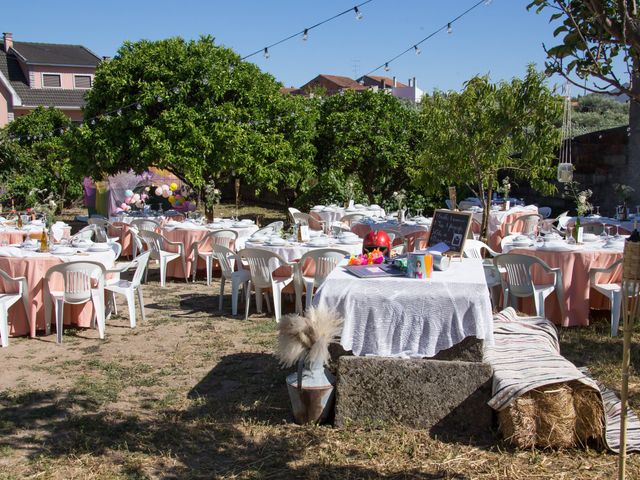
(517, 423)
(562, 415)
(590, 416)
(556, 416)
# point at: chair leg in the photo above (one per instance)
(59, 310)
(184, 268)
(98, 305)
(221, 296)
(277, 302)
(131, 303)
(208, 260)
(309, 296)
(616, 307)
(195, 265)
(235, 287)
(4, 327)
(163, 269)
(258, 300)
(143, 318)
(247, 300)
(47, 311)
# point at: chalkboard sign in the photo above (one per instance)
(451, 228)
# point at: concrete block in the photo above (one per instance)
(449, 398)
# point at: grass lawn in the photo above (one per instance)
(193, 393)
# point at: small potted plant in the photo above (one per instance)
(212, 196)
(624, 194)
(506, 188)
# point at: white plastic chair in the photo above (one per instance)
(399, 243)
(104, 223)
(203, 249)
(262, 264)
(146, 224)
(8, 299)
(276, 226)
(83, 282)
(130, 288)
(302, 218)
(545, 212)
(230, 261)
(517, 283)
(292, 211)
(324, 260)
(262, 232)
(137, 243)
(473, 249)
(529, 222)
(156, 243)
(613, 291)
(352, 218)
(90, 232)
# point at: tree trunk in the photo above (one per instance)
(486, 209)
(633, 146)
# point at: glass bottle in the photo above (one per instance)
(44, 241)
(19, 221)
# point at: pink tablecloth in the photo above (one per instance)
(34, 270)
(578, 296)
(497, 221)
(12, 236)
(187, 237)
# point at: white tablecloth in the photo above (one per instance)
(498, 217)
(294, 251)
(334, 214)
(399, 316)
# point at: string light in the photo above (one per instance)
(305, 35)
(415, 47)
(266, 53)
(355, 9)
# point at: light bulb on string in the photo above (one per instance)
(159, 99)
(266, 53)
(93, 121)
(358, 13)
(417, 49)
(386, 67)
(138, 106)
(449, 29)
(305, 35)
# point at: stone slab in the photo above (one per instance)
(449, 398)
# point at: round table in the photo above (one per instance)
(34, 267)
(497, 221)
(574, 263)
(293, 250)
(333, 214)
(411, 231)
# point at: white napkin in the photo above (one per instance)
(17, 252)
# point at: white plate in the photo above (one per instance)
(63, 251)
(99, 248)
(521, 244)
(590, 237)
(239, 225)
(276, 244)
(349, 241)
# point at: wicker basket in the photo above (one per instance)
(631, 261)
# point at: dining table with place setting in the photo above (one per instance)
(414, 229)
(27, 260)
(500, 221)
(334, 213)
(575, 261)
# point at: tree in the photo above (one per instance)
(37, 157)
(596, 35)
(487, 129)
(196, 109)
(595, 112)
(368, 135)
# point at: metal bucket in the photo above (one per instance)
(311, 391)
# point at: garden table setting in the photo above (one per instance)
(333, 213)
(23, 260)
(575, 261)
(188, 232)
(623, 227)
(409, 317)
(498, 218)
(412, 229)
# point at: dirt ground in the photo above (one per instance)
(195, 393)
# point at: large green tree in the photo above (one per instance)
(195, 109)
(369, 136)
(34, 156)
(487, 129)
(599, 43)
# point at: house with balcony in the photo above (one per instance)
(44, 74)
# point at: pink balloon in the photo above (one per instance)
(127, 199)
(123, 206)
(158, 191)
(166, 187)
(166, 193)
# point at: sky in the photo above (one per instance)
(499, 39)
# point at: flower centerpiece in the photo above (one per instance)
(399, 198)
(624, 193)
(45, 204)
(212, 196)
(504, 190)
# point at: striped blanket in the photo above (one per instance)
(526, 356)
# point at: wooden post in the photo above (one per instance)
(237, 195)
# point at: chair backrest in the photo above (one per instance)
(518, 269)
(8, 280)
(261, 263)
(302, 218)
(395, 235)
(466, 205)
(221, 237)
(351, 218)
(529, 223)
(79, 279)
(136, 239)
(117, 249)
(447, 202)
(545, 212)
(276, 226)
(154, 242)
(263, 231)
(325, 260)
(146, 224)
(141, 260)
(507, 240)
(291, 211)
(227, 259)
(473, 248)
(85, 233)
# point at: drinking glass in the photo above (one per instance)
(603, 234)
(609, 229)
(598, 210)
(570, 239)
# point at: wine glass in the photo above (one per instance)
(598, 210)
(609, 229)
(603, 235)
(570, 240)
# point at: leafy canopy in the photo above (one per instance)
(39, 160)
(472, 136)
(198, 111)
